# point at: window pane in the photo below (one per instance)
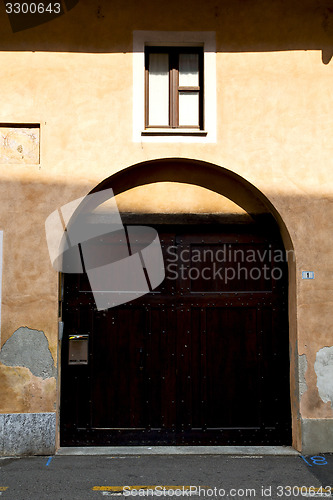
(189, 108)
(188, 70)
(158, 89)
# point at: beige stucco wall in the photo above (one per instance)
(274, 128)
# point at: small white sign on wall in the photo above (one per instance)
(307, 275)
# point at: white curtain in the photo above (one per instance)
(158, 89)
(188, 70)
(189, 109)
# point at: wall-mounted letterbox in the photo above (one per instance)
(78, 350)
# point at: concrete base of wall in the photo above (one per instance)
(34, 434)
(27, 434)
(317, 436)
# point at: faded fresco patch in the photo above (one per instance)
(19, 144)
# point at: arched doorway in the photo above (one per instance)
(202, 359)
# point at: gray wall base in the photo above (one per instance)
(317, 436)
(34, 434)
(27, 433)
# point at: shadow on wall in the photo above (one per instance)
(23, 16)
(104, 26)
(26, 248)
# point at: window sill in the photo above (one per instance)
(173, 132)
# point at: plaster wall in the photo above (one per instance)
(73, 76)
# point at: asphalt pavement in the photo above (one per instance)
(206, 476)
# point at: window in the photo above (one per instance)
(200, 123)
(174, 87)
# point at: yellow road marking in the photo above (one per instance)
(3, 488)
(118, 489)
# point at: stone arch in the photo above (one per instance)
(241, 192)
(200, 173)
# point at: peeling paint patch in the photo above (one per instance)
(30, 349)
(23, 392)
(302, 367)
(324, 369)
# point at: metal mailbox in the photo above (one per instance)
(78, 350)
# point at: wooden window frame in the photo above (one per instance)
(174, 88)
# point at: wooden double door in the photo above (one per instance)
(203, 359)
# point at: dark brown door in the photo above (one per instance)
(203, 359)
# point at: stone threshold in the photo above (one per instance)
(178, 450)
